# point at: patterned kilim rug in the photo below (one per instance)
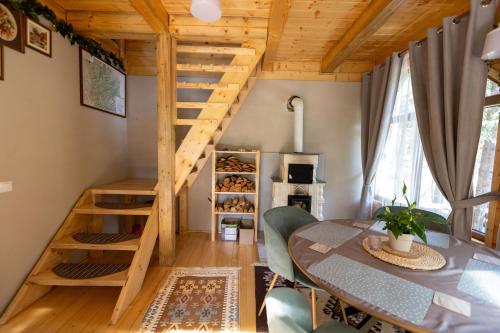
(196, 300)
(328, 306)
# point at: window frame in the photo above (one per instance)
(489, 236)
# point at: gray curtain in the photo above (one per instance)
(378, 95)
(449, 81)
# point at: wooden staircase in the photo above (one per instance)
(238, 78)
(86, 217)
(219, 110)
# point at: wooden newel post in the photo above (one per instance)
(183, 209)
(166, 115)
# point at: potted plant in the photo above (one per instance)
(403, 225)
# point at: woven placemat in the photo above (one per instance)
(103, 238)
(122, 205)
(87, 271)
(427, 260)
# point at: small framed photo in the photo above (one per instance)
(1, 63)
(38, 37)
(11, 26)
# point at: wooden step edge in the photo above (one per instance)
(92, 209)
(210, 68)
(201, 105)
(192, 122)
(49, 278)
(123, 192)
(215, 50)
(69, 243)
(207, 85)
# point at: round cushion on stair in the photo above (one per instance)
(102, 238)
(87, 271)
(122, 205)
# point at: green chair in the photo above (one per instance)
(432, 221)
(279, 224)
(288, 311)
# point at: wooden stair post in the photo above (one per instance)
(166, 118)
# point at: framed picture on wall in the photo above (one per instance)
(1, 63)
(11, 26)
(38, 37)
(102, 86)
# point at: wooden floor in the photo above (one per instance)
(77, 309)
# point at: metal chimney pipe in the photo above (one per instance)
(296, 104)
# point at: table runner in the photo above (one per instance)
(481, 280)
(393, 294)
(434, 238)
(330, 234)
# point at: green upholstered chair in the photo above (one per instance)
(432, 221)
(279, 224)
(288, 311)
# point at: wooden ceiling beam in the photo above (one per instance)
(153, 12)
(278, 16)
(56, 8)
(372, 18)
(108, 23)
(107, 44)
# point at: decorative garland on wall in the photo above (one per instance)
(33, 9)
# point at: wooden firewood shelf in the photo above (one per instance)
(251, 156)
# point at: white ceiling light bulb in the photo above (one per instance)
(491, 49)
(206, 10)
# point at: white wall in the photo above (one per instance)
(332, 128)
(52, 149)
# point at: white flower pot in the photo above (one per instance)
(402, 244)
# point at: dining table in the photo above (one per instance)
(461, 297)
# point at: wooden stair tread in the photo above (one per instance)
(49, 278)
(71, 243)
(90, 208)
(211, 68)
(215, 50)
(207, 85)
(201, 105)
(127, 186)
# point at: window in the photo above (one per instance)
(485, 158)
(403, 158)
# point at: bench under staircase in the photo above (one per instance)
(82, 232)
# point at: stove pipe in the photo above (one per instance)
(296, 104)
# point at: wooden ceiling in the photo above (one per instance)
(306, 39)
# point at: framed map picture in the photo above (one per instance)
(102, 86)
(11, 26)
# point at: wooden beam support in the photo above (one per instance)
(278, 16)
(192, 122)
(215, 50)
(202, 105)
(56, 8)
(166, 116)
(212, 68)
(107, 44)
(207, 86)
(106, 23)
(183, 209)
(153, 12)
(372, 18)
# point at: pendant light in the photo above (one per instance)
(206, 10)
(491, 49)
